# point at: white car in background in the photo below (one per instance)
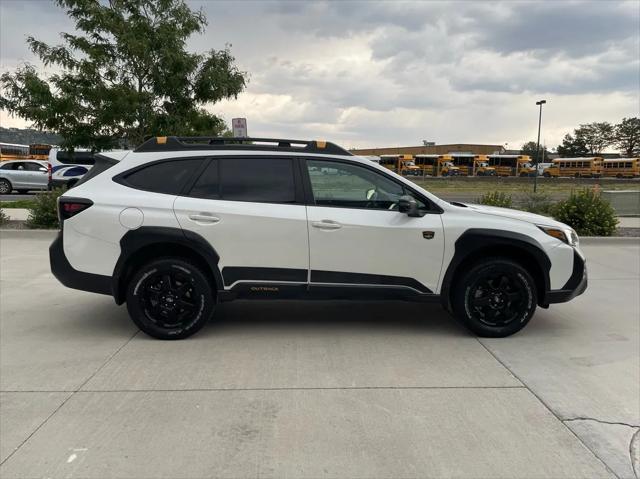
(66, 169)
(23, 176)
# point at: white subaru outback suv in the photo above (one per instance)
(180, 224)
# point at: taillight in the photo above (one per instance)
(68, 207)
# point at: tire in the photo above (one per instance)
(170, 298)
(5, 187)
(495, 298)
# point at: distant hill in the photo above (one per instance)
(28, 136)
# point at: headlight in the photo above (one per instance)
(566, 235)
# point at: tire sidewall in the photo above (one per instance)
(206, 300)
(463, 291)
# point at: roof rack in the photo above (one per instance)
(186, 143)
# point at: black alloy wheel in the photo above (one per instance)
(170, 299)
(495, 298)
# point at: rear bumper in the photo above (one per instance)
(575, 286)
(72, 278)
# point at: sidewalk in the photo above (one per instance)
(16, 214)
(629, 222)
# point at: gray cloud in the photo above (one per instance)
(398, 72)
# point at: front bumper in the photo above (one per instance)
(575, 286)
(72, 278)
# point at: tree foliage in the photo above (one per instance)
(123, 75)
(627, 136)
(530, 148)
(596, 136)
(572, 147)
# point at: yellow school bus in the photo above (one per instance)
(512, 165)
(576, 167)
(621, 168)
(446, 167)
(401, 164)
(427, 164)
(12, 151)
(39, 151)
(481, 166)
(464, 162)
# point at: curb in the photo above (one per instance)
(599, 240)
(28, 234)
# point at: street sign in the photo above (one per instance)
(239, 127)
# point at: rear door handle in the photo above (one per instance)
(204, 218)
(326, 225)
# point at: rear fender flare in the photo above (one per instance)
(135, 240)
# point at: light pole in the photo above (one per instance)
(535, 173)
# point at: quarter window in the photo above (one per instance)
(165, 177)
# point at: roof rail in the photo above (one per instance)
(187, 143)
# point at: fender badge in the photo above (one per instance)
(428, 234)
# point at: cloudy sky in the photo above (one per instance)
(395, 73)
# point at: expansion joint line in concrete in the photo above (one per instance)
(70, 396)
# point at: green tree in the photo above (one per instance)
(627, 136)
(125, 74)
(530, 148)
(572, 147)
(596, 136)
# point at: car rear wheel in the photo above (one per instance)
(495, 298)
(170, 298)
(5, 187)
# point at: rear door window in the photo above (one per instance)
(208, 184)
(260, 180)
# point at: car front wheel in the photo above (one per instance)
(170, 298)
(495, 298)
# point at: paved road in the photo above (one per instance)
(319, 389)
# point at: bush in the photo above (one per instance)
(496, 198)
(3, 217)
(44, 212)
(539, 203)
(587, 213)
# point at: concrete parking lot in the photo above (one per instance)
(318, 389)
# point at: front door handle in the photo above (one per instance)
(204, 218)
(326, 225)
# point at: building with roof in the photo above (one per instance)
(430, 149)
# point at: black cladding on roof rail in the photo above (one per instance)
(186, 143)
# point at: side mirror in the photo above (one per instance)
(408, 204)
